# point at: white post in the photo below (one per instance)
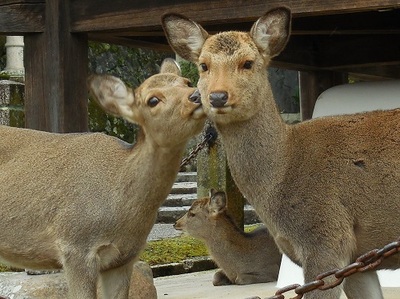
(15, 57)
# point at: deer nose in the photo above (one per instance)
(218, 99)
(195, 97)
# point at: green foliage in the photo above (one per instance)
(249, 228)
(4, 268)
(173, 250)
(189, 70)
(132, 66)
(99, 121)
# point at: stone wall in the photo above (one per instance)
(12, 103)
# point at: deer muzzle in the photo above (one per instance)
(218, 99)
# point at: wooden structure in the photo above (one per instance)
(330, 39)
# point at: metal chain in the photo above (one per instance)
(365, 262)
(209, 139)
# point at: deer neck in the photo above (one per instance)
(256, 148)
(158, 167)
(224, 231)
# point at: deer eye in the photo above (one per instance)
(189, 84)
(153, 101)
(203, 67)
(248, 64)
(191, 214)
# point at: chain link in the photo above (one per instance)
(209, 139)
(366, 262)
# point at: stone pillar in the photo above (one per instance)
(15, 58)
(12, 103)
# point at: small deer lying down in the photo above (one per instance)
(244, 258)
(328, 189)
(86, 202)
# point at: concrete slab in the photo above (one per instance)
(199, 286)
(163, 231)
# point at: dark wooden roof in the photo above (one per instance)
(358, 36)
(353, 36)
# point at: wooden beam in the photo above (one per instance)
(133, 42)
(335, 52)
(371, 22)
(340, 53)
(56, 71)
(21, 17)
(101, 15)
(378, 72)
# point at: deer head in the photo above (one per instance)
(158, 98)
(243, 55)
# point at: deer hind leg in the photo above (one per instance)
(249, 278)
(363, 285)
(221, 279)
(81, 277)
(115, 282)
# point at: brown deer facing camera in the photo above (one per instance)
(86, 202)
(328, 189)
(244, 258)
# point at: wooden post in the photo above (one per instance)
(56, 63)
(312, 84)
(213, 172)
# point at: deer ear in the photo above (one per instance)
(217, 203)
(169, 65)
(185, 37)
(212, 192)
(112, 95)
(271, 31)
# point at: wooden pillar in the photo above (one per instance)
(56, 63)
(312, 84)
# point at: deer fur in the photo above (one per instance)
(244, 258)
(328, 189)
(87, 202)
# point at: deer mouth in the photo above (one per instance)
(198, 112)
(221, 110)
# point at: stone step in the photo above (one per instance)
(179, 200)
(171, 214)
(184, 188)
(186, 177)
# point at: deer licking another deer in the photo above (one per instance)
(328, 189)
(244, 258)
(87, 202)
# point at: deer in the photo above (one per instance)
(327, 189)
(244, 258)
(86, 202)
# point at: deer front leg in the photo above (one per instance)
(115, 282)
(363, 285)
(317, 264)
